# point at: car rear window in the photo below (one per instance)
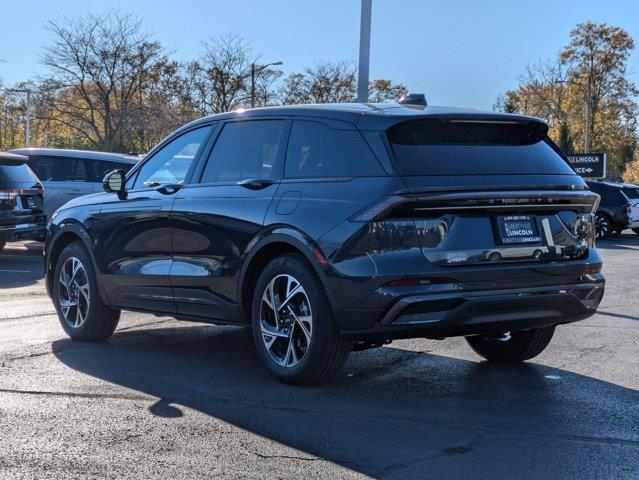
(460, 147)
(16, 173)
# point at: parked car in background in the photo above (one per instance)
(21, 201)
(67, 174)
(613, 215)
(632, 193)
(338, 227)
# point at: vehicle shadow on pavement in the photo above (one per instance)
(21, 265)
(391, 413)
(627, 241)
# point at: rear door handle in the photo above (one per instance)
(256, 183)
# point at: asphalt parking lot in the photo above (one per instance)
(164, 399)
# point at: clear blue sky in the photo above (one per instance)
(460, 52)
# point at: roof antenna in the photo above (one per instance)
(413, 99)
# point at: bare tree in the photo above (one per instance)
(219, 79)
(383, 90)
(326, 82)
(97, 66)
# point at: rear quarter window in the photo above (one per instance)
(317, 150)
(12, 173)
(436, 147)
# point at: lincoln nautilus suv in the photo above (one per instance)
(333, 228)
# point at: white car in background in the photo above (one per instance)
(632, 194)
(67, 174)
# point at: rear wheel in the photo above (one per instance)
(512, 346)
(603, 225)
(293, 327)
(81, 312)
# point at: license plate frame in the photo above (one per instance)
(516, 230)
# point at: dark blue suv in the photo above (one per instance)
(335, 228)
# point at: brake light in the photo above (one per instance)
(9, 194)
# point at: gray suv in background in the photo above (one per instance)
(67, 174)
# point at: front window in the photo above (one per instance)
(171, 163)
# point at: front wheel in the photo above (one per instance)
(81, 312)
(512, 346)
(293, 327)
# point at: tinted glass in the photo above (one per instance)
(433, 147)
(53, 169)
(80, 173)
(16, 173)
(169, 165)
(244, 150)
(316, 150)
(632, 193)
(102, 167)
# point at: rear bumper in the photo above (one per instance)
(23, 231)
(455, 313)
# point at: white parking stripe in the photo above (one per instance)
(16, 271)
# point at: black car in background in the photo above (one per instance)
(613, 214)
(21, 201)
(335, 228)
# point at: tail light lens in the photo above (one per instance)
(584, 229)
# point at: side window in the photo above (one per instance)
(172, 162)
(316, 150)
(80, 172)
(54, 168)
(102, 167)
(244, 150)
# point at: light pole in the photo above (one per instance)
(364, 51)
(27, 120)
(255, 70)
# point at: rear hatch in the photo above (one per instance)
(21, 196)
(487, 191)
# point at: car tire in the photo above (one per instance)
(515, 347)
(82, 314)
(2, 245)
(300, 345)
(603, 225)
(636, 230)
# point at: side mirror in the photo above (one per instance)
(114, 182)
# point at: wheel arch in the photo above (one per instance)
(267, 249)
(67, 234)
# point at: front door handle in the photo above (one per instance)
(168, 189)
(256, 183)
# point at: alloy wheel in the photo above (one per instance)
(286, 320)
(602, 226)
(74, 292)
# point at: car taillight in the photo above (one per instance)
(584, 228)
(9, 194)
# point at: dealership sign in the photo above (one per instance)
(590, 165)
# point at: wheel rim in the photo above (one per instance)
(286, 321)
(602, 226)
(74, 292)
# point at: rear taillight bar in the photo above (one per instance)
(10, 194)
(583, 201)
